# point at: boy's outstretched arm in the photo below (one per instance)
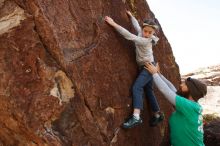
(169, 94)
(134, 22)
(126, 33)
(110, 21)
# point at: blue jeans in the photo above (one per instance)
(144, 82)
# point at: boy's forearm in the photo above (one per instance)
(125, 33)
(135, 24)
(115, 25)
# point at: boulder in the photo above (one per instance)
(212, 133)
(66, 75)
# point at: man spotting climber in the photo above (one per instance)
(186, 123)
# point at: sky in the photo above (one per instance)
(193, 29)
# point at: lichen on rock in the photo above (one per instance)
(11, 20)
(63, 87)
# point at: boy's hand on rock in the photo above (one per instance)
(109, 20)
(129, 13)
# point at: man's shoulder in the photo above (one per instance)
(182, 101)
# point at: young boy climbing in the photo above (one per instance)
(144, 54)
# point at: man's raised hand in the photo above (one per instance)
(151, 68)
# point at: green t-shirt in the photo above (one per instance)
(186, 123)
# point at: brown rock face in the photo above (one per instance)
(65, 75)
